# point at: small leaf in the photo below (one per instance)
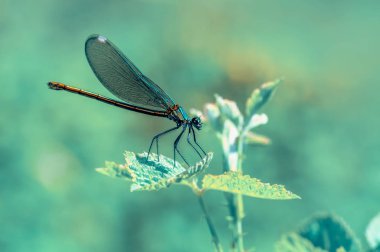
(229, 137)
(256, 120)
(235, 182)
(114, 170)
(295, 243)
(148, 175)
(372, 233)
(330, 232)
(260, 96)
(213, 116)
(229, 110)
(255, 139)
(198, 167)
(153, 175)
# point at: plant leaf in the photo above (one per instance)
(295, 243)
(372, 233)
(229, 110)
(330, 232)
(255, 121)
(213, 116)
(255, 139)
(151, 174)
(148, 175)
(229, 137)
(260, 96)
(114, 170)
(198, 167)
(235, 182)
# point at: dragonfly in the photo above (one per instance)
(136, 92)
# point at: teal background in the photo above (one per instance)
(323, 121)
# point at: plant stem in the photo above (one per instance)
(239, 221)
(211, 226)
(238, 200)
(235, 201)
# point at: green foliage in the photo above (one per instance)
(373, 233)
(226, 110)
(198, 167)
(115, 170)
(212, 114)
(330, 232)
(151, 174)
(323, 232)
(229, 111)
(376, 249)
(234, 131)
(235, 182)
(256, 139)
(260, 97)
(293, 242)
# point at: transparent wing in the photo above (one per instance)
(121, 77)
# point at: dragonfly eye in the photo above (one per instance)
(196, 121)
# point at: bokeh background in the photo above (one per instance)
(323, 121)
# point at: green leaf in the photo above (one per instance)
(235, 182)
(330, 232)
(198, 167)
(255, 139)
(373, 233)
(260, 96)
(115, 170)
(148, 175)
(295, 243)
(213, 116)
(255, 121)
(229, 110)
(151, 174)
(229, 139)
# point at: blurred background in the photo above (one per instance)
(323, 120)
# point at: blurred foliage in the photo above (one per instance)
(323, 124)
(323, 232)
(293, 242)
(330, 233)
(373, 233)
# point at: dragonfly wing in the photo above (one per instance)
(121, 77)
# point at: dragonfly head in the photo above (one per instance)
(196, 122)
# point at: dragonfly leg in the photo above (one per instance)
(188, 140)
(195, 141)
(158, 153)
(155, 138)
(176, 146)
